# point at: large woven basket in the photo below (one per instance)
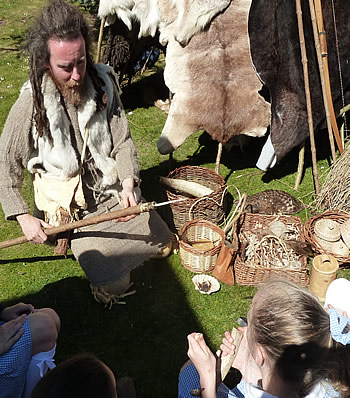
(253, 274)
(196, 260)
(210, 207)
(309, 232)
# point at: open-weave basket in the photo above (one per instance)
(309, 232)
(250, 274)
(196, 260)
(209, 207)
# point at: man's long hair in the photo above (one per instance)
(62, 21)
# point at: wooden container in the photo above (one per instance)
(323, 272)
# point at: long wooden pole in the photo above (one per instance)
(99, 42)
(323, 84)
(140, 208)
(324, 55)
(307, 94)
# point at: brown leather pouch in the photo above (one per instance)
(223, 270)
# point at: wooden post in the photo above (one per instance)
(99, 43)
(323, 84)
(218, 158)
(324, 56)
(300, 168)
(307, 94)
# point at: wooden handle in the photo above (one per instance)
(140, 208)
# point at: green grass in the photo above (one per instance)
(146, 338)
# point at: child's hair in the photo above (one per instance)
(83, 375)
(293, 327)
(339, 367)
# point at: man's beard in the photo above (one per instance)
(71, 91)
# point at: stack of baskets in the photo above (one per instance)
(252, 272)
(329, 233)
(210, 207)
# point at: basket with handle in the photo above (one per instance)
(200, 260)
(209, 207)
(253, 271)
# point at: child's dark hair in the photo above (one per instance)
(83, 375)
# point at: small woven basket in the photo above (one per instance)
(210, 207)
(196, 260)
(309, 231)
(253, 274)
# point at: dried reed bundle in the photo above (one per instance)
(335, 192)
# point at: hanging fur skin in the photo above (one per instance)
(214, 83)
(180, 18)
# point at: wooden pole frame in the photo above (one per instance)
(307, 93)
(324, 56)
(99, 42)
(322, 77)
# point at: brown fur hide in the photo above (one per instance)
(214, 83)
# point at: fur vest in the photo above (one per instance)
(57, 157)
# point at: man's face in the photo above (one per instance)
(68, 66)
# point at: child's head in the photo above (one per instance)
(83, 375)
(293, 329)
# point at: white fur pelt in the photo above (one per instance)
(178, 19)
(194, 15)
(58, 158)
(146, 12)
(122, 9)
(214, 83)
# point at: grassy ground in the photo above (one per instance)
(146, 338)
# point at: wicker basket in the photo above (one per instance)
(210, 207)
(309, 232)
(196, 260)
(254, 274)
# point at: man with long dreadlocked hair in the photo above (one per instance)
(69, 129)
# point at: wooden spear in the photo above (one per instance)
(132, 210)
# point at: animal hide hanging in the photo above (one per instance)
(275, 52)
(110, 9)
(214, 83)
(194, 15)
(147, 13)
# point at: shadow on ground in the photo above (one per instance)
(145, 339)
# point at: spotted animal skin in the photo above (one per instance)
(273, 201)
